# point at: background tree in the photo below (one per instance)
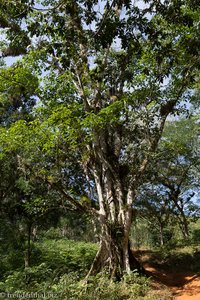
(23, 206)
(153, 205)
(173, 181)
(183, 190)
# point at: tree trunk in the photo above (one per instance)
(28, 250)
(161, 235)
(184, 227)
(35, 234)
(183, 224)
(115, 212)
(114, 254)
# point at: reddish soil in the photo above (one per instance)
(183, 285)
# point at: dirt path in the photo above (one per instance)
(184, 285)
(190, 290)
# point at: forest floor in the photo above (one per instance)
(183, 283)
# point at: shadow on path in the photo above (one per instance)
(185, 285)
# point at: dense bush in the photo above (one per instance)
(65, 256)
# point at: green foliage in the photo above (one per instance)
(18, 80)
(146, 235)
(170, 194)
(51, 260)
(101, 287)
(69, 286)
(27, 280)
(140, 235)
(10, 261)
(185, 258)
(196, 235)
(68, 256)
(18, 90)
(59, 268)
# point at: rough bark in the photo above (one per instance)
(115, 218)
(114, 254)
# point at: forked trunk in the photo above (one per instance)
(115, 212)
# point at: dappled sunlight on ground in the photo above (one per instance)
(190, 290)
(183, 285)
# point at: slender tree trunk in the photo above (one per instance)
(28, 250)
(161, 235)
(179, 204)
(185, 229)
(183, 224)
(34, 233)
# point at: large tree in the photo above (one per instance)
(114, 72)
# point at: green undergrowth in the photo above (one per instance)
(184, 259)
(66, 256)
(58, 270)
(40, 281)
